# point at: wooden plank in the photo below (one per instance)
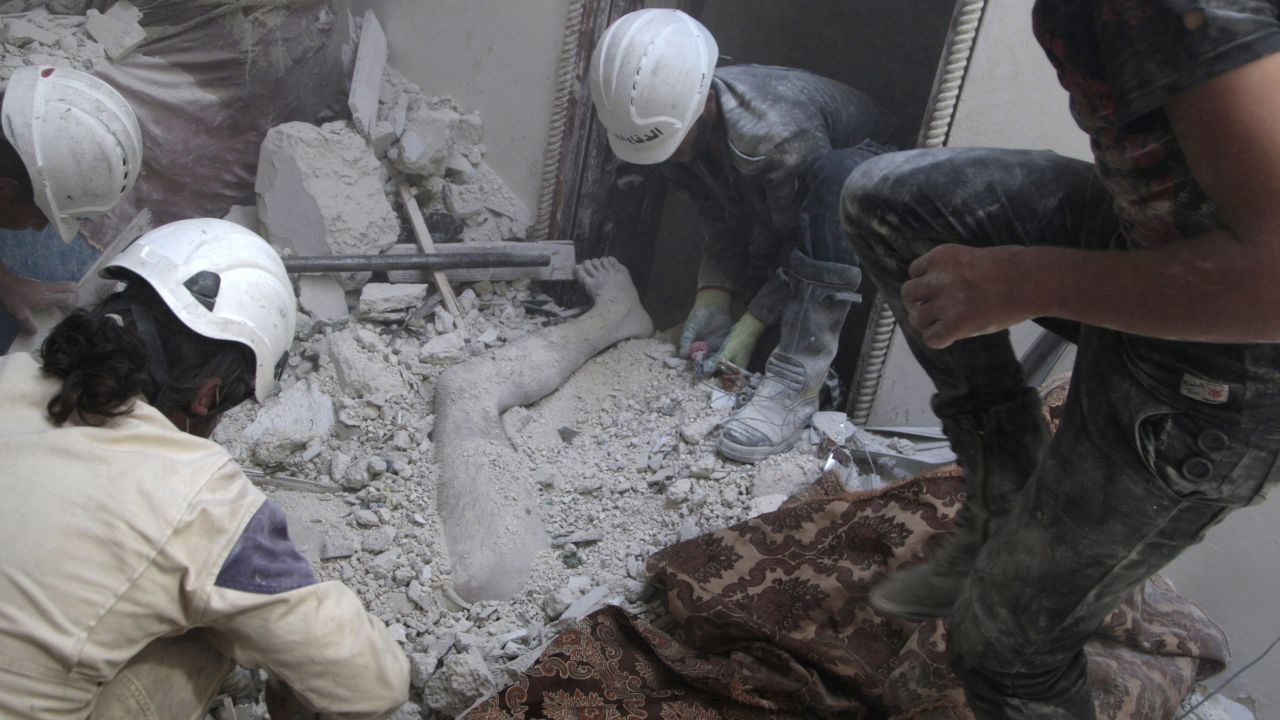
(366, 81)
(561, 267)
(424, 241)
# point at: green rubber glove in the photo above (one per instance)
(709, 320)
(738, 346)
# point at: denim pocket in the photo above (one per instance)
(1199, 460)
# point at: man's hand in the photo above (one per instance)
(737, 348)
(20, 296)
(709, 320)
(956, 292)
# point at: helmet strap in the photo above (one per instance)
(157, 363)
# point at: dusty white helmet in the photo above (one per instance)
(222, 281)
(649, 77)
(78, 138)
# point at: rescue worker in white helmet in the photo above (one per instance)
(763, 151)
(71, 149)
(142, 563)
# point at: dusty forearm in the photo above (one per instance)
(1215, 288)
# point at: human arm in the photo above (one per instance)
(256, 596)
(1218, 287)
(20, 296)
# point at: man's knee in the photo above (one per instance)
(883, 198)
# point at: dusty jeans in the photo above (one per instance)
(171, 679)
(1159, 440)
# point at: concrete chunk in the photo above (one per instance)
(366, 81)
(118, 38)
(298, 416)
(387, 297)
(320, 192)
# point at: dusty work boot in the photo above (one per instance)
(998, 450)
(788, 395)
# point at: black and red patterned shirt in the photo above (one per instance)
(1121, 61)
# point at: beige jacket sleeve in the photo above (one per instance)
(257, 595)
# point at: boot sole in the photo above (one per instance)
(752, 454)
(915, 613)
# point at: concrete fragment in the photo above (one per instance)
(118, 38)
(323, 298)
(366, 518)
(300, 415)
(462, 679)
(378, 298)
(338, 544)
(125, 12)
(386, 563)
(381, 137)
(408, 711)
(379, 539)
(419, 596)
(423, 147)
(421, 667)
(320, 192)
(587, 604)
(366, 81)
(22, 33)
(833, 425)
(696, 431)
(363, 374)
(443, 349)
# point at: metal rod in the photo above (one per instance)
(424, 261)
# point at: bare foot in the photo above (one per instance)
(609, 284)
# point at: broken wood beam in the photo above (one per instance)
(433, 261)
(560, 267)
(423, 235)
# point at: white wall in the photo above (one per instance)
(1011, 98)
(497, 57)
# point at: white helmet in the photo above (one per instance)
(222, 281)
(650, 75)
(78, 138)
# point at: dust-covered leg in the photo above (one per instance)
(492, 526)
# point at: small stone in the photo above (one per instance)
(420, 597)
(421, 667)
(366, 518)
(379, 539)
(696, 431)
(339, 545)
(703, 467)
(377, 466)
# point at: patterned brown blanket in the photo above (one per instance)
(775, 613)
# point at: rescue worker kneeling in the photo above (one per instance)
(140, 562)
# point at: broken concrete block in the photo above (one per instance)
(766, 503)
(462, 679)
(587, 604)
(378, 298)
(424, 143)
(301, 414)
(385, 564)
(319, 192)
(421, 667)
(361, 373)
(381, 137)
(366, 518)
(833, 425)
(696, 431)
(339, 544)
(442, 349)
(22, 33)
(118, 38)
(420, 596)
(366, 81)
(379, 539)
(125, 12)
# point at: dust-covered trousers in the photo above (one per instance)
(1159, 440)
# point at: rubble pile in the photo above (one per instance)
(624, 457)
(440, 149)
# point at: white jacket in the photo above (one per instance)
(116, 535)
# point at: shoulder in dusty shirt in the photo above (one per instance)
(1121, 61)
